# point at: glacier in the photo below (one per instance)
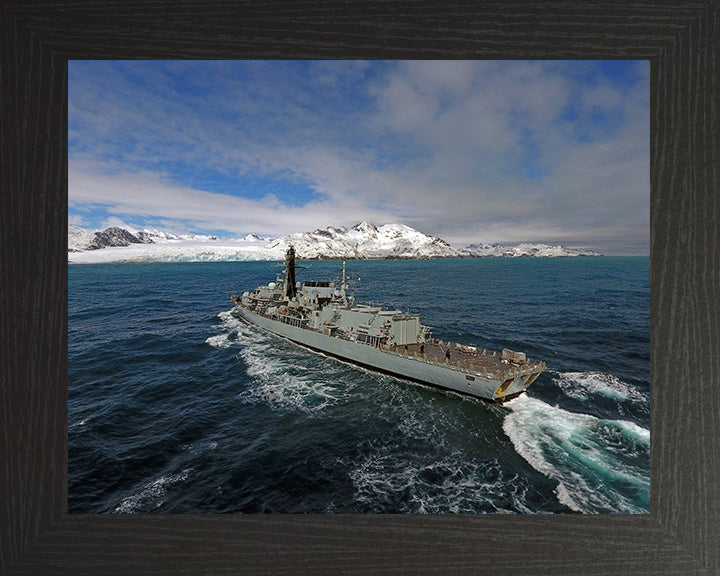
(361, 241)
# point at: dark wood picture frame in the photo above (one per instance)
(681, 535)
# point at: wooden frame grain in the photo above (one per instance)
(681, 535)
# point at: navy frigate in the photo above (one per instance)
(324, 317)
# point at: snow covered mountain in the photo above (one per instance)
(365, 241)
(80, 239)
(255, 238)
(122, 245)
(361, 241)
(159, 236)
(522, 250)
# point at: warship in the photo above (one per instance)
(325, 318)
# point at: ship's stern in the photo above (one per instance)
(516, 385)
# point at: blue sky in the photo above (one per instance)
(471, 151)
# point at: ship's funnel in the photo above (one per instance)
(290, 288)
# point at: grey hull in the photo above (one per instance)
(411, 367)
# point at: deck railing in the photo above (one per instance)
(501, 373)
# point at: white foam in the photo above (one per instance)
(280, 383)
(152, 495)
(584, 385)
(287, 392)
(448, 480)
(423, 485)
(227, 320)
(220, 341)
(600, 465)
(277, 380)
(462, 489)
(230, 323)
(234, 332)
(642, 433)
(201, 446)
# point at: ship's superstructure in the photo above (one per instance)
(324, 317)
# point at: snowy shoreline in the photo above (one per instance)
(361, 242)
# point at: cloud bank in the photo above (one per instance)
(554, 152)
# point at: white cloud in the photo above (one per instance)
(470, 151)
(78, 220)
(148, 197)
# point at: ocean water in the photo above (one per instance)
(177, 407)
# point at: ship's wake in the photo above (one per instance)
(280, 372)
(452, 484)
(431, 459)
(600, 465)
(152, 495)
(590, 385)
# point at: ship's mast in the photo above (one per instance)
(290, 289)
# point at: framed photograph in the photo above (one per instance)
(475, 227)
(614, 448)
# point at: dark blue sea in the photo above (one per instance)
(177, 407)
